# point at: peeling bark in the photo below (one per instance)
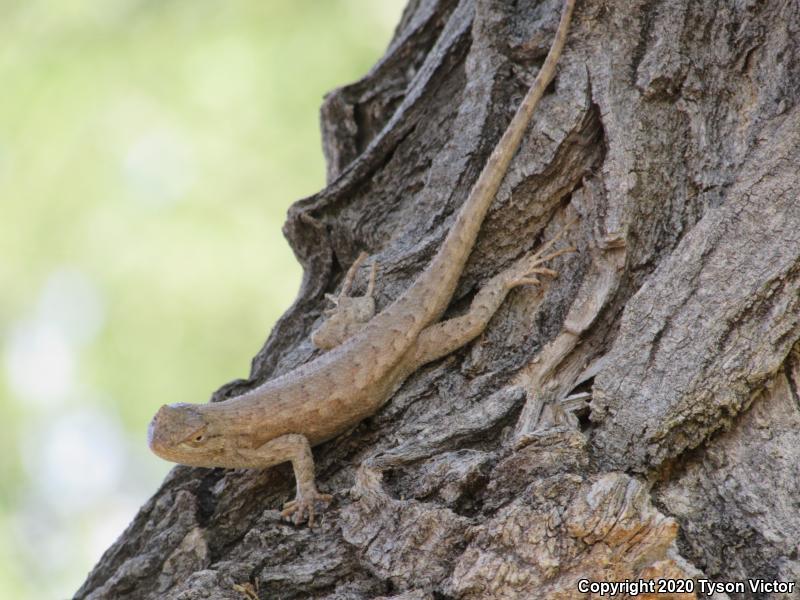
(637, 417)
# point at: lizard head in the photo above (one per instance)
(180, 433)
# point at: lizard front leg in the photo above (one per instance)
(292, 447)
(441, 339)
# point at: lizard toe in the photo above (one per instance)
(305, 508)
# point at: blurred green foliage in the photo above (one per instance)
(148, 153)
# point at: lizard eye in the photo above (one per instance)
(197, 438)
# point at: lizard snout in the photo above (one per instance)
(154, 429)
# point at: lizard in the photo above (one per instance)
(368, 355)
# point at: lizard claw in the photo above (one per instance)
(303, 507)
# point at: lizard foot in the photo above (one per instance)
(304, 507)
(522, 273)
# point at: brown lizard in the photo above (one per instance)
(369, 356)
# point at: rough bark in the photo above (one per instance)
(638, 417)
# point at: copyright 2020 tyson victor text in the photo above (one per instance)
(635, 587)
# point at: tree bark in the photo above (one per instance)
(637, 417)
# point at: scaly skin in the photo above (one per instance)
(282, 418)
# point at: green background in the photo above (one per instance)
(148, 153)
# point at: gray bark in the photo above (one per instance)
(638, 417)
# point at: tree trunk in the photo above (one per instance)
(635, 417)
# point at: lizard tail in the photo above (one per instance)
(437, 283)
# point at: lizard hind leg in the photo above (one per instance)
(349, 314)
(444, 337)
